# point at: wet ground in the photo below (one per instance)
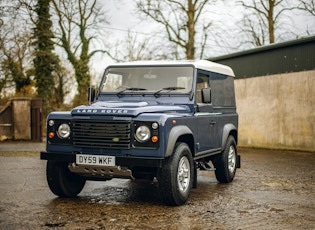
(272, 190)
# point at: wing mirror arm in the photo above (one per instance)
(91, 94)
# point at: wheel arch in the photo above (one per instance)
(179, 134)
(229, 129)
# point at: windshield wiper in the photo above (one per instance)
(130, 89)
(168, 89)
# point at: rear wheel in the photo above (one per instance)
(226, 162)
(61, 181)
(176, 176)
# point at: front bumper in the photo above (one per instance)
(123, 161)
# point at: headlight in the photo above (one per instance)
(63, 131)
(143, 133)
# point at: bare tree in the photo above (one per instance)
(308, 6)
(262, 17)
(180, 20)
(15, 51)
(3, 78)
(19, 47)
(133, 48)
(78, 25)
(256, 29)
(64, 83)
(15, 66)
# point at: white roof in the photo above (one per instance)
(199, 64)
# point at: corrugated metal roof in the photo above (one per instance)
(292, 56)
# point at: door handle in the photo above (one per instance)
(212, 122)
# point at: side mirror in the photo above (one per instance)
(91, 95)
(206, 95)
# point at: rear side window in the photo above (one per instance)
(222, 90)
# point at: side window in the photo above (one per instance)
(222, 89)
(202, 82)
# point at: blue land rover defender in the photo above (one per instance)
(146, 120)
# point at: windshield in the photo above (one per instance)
(156, 80)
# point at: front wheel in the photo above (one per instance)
(176, 177)
(61, 181)
(226, 162)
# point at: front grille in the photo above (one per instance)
(101, 134)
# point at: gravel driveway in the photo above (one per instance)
(272, 190)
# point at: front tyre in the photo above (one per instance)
(176, 177)
(226, 162)
(61, 181)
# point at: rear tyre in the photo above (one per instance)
(61, 181)
(176, 177)
(226, 162)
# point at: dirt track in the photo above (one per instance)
(272, 190)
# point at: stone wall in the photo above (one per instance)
(277, 111)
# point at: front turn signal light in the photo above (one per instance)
(154, 139)
(51, 135)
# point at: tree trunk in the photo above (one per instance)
(190, 48)
(271, 22)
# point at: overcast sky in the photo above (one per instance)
(123, 17)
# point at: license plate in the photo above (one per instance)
(82, 159)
